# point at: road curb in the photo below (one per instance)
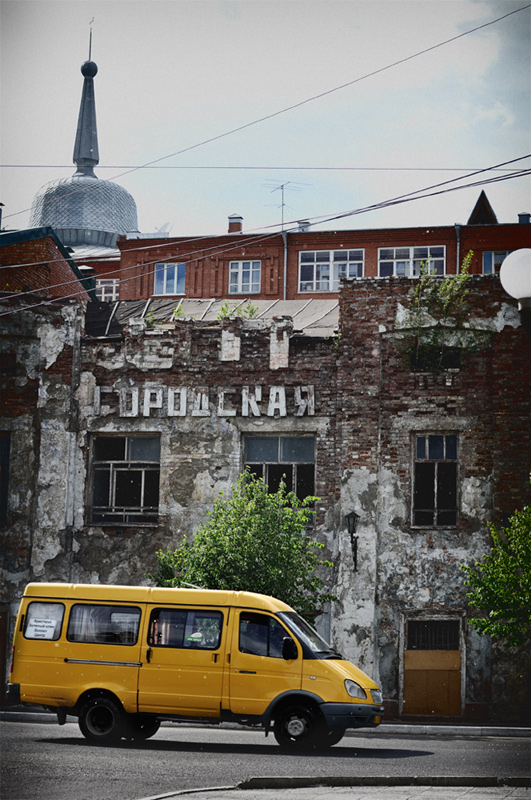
(306, 783)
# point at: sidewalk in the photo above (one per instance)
(390, 791)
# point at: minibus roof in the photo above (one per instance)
(158, 595)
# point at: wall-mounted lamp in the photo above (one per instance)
(352, 523)
(515, 277)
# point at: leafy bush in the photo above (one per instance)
(252, 541)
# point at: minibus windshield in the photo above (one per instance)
(306, 635)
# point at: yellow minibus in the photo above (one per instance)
(124, 658)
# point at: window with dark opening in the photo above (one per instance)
(125, 479)
(431, 358)
(287, 458)
(435, 480)
(433, 634)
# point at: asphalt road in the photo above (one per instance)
(47, 762)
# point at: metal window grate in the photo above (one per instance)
(433, 635)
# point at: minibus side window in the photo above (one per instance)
(172, 627)
(44, 621)
(101, 624)
(261, 635)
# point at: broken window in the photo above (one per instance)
(432, 358)
(435, 480)
(322, 270)
(125, 479)
(287, 458)
(244, 277)
(441, 634)
(5, 446)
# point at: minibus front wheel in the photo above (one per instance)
(142, 726)
(299, 728)
(102, 720)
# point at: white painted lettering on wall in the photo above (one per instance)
(181, 401)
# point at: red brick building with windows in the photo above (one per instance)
(294, 265)
(36, 261)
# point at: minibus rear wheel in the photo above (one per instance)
(102, 720)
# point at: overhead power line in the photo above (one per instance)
(418, 195)
(516, 173)
(310, 99)
(246, 168)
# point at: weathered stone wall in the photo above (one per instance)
(40, 362)
(202, 387)
(406, 572)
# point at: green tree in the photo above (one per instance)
(501, 582)
(252, 541)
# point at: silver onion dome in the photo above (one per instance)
(83, 209)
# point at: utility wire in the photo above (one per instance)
(237, 245)
(310, 99)
(248, 168)
(322, 218)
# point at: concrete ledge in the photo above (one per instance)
(304, 783)
(451, 730)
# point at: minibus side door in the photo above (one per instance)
(182, 661)
(258, 672)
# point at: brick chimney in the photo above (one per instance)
(235, 223)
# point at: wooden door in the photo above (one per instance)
(432, 669)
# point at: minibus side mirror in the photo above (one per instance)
(289, 649)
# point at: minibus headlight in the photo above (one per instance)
(355, 690)
(376, 695)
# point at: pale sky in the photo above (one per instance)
(175, 73)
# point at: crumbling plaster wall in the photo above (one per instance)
(201, 387)
(42, 348)
(403, 572)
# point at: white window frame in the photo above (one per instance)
(245, 276)
(108, 290)
(169, 279)
(492, 261)
(329, 267)
(407, 261)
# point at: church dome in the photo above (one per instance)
(83, 209)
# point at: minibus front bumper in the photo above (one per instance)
(351, 715)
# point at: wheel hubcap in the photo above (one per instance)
(296, 727)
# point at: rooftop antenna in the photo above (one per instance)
(90, 39)
(294, 186)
